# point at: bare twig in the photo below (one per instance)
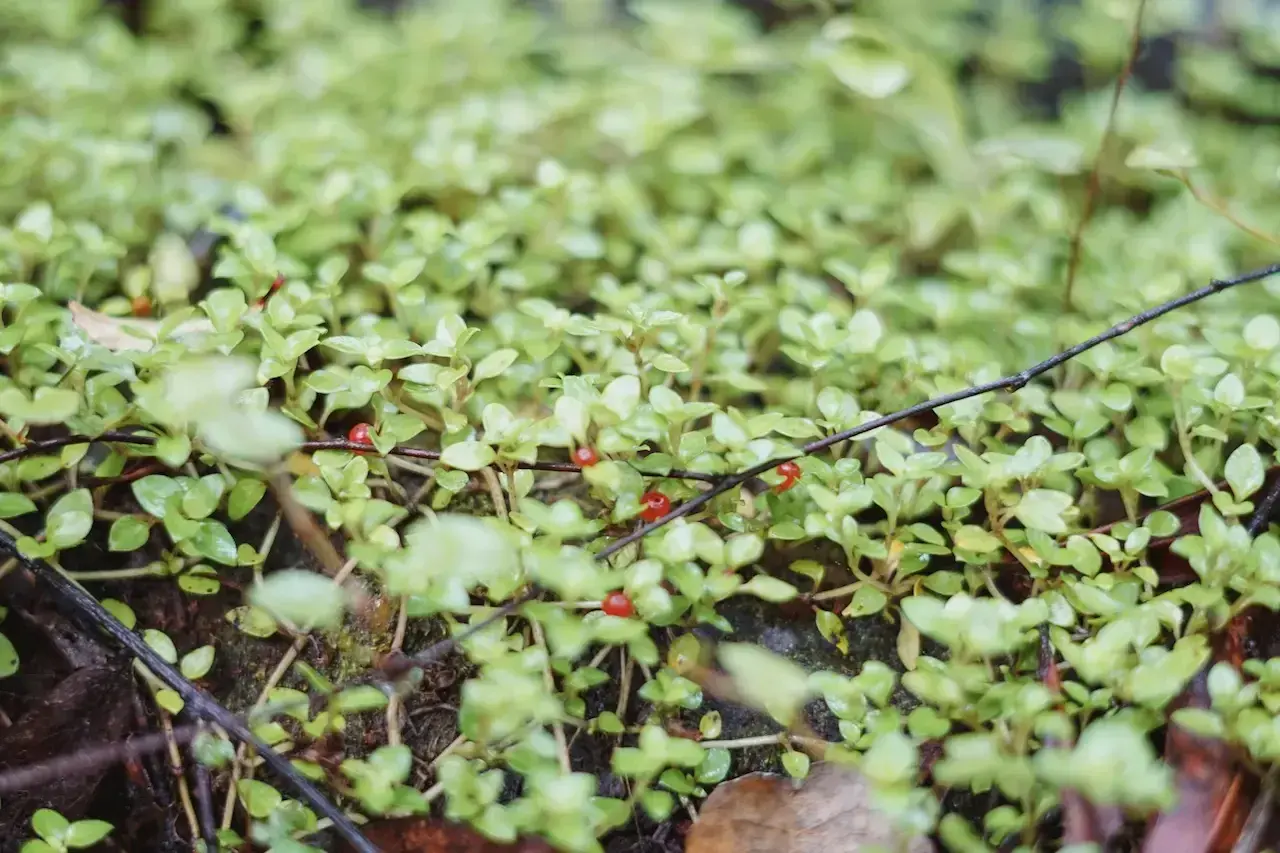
(1265, 510)
(197, 703)
(1220, 207)
(276, 676)
(142, 438)
(394, 704)
(1095, 174)
(86, 761)
(304, 526)
(204, 805)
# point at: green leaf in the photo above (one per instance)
(212, 541)
(173, 450)
(86, 833)
(38, 846)
(8, 657)
(971, 537)
(154, 492)
(13, 504)
(1245, 471)
(769, 588)
(494, 364)
(69, 519)
(245, 495)
(161, 644)
(1042, 509)
(259, 798)
(50, 825)
(127, 534)
(796, 764)
(468, 455)
(301, 598)
(121, 611)
(50, 406)
(196, 664)
(252, 621)
(866, 601)
(356, 699)
(765, 680)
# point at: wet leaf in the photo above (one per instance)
(830, 812)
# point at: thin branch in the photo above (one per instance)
(204, 802)
(197, 702)
(1265, 510)
(333, 444)
(1219, 207)
(1095, 174)
(86, 761)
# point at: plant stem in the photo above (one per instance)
(763, 740)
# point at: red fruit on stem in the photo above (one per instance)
(141, 306)
(655, 505)
(585, 457)
(790, 472)
(617, 604)
(359, 434)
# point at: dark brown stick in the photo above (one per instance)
(88, 760)
(1095, 174)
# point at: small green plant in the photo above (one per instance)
(59, 835)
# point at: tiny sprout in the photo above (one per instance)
(618, 604)
(585, 457)
(655, 505)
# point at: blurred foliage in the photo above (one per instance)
(508, 234)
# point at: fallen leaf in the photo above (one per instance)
(432, 835)
(830, 812)
(1211, 808)
(128, 333)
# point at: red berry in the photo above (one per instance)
(359, 434)
(277, 284)
(790, 472)
(141, 306)
(617, 604)
(655, 505)
(585, 457)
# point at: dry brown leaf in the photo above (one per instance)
(831, 812)
(127, 333)
(1212, 808)
(432, 835)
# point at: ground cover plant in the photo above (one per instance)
(504, 425)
